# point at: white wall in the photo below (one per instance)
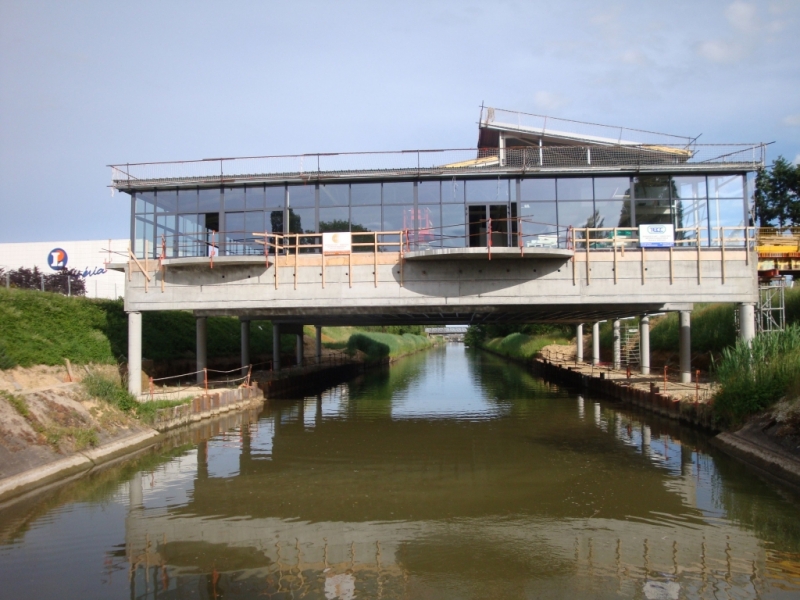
(88, 257)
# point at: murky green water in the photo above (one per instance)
(452, 475)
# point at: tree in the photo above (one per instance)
(777, 194)
(34, 279)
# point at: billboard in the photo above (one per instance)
(656, 236)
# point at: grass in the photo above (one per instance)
(108, 390)
(792, 299)
(19, 404)
(752, 378)
(43, 329)
(379, 346)
(521, 346)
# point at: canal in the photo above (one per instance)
(453, 474)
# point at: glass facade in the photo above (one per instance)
(442, 213)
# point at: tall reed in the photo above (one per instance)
(753, 377)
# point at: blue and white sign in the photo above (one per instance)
(57, 259)
(656, 236)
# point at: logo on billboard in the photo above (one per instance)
(57, 259)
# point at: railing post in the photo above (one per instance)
(489, 237)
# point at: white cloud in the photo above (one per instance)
(797, 159)
(742, 16)
(792, 120)
(548, 101)
(721, 51)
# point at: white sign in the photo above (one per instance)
(656, 236)
(336, 243)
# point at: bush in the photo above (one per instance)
(524, 347)
(752, 378)
(110, 391)
(379, 346)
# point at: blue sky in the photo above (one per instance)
(85, 84)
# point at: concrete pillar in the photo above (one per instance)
(617, 346)
(644, 344)
(596, 343)
(747, 322)
(579, 343)
(245, 327)
(299, 349)
(686, 346)
(135, 353)
(319, 343)
(276, 346)
(202, 346)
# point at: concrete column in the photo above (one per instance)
(644, 344)
(245, 327)
(617, 346)
(579, 343)
(276, 346)
(202, 346)
(319, 343)
(596, 343)
(686, 346)
(135, 353)
(299, 349)
(747, 322)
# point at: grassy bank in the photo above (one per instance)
(109, 391)
(521, 346)
(43, 329)
(753, 378)
(378, 346)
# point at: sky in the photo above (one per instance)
(84, 84)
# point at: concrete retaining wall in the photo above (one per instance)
(206, 406)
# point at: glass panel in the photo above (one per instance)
(653, 213)
(611, 188)
(652, 186)
(428, 192)
(453, 191)
(234, 222)
(578, 188)
(276, 196)
(187, 201)
(576, 214)
(726, 213)
(241, 226)
(428, 228)
(689, 187)
(209, 200)
(453, 224)
(254, 198)
(336, 194)
(612, 213)
(275, 221)
(392, 221)
(539, 224)
(302, 220)
(138, 238)
(301, 196)
(366, 218)
(149, 246)
(691, 213)
(487, 190)
(234, 199)
(538, 189)
(726, 186)
(165, 235)
(365, 193)
(401, 192)
(145, 202)
(186, 242)
(167, 201)
(334, 219)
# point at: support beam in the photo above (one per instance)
(596, 343)
(299, 349)
(644, 344)
(747, 322)
(202, 346)
(579, 343)
(276, 346)
(686, 346)
(617, 346)
(135, 353)
(319, 343)
(245, 328)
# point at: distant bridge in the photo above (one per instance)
(446, 330)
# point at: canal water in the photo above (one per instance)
(454, 474)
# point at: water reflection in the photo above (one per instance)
(450, 475)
